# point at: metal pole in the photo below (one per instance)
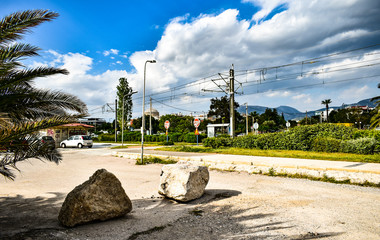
(115, 120)
(246, 118)
(143, 113)
(232, 101)
(150, 117)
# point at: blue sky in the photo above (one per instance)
(101, 41)
(92, 27)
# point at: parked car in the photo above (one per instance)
(49, 140)
(79, 141)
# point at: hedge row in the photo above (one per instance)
(136, 137)
(320, 137)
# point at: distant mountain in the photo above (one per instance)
(291, 113)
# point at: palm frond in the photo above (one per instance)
(26, 76)
(14, 130)
(37, 104)
(31, 147)
(17, 52)
(14, 25)
(375, 120)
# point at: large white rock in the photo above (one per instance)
(100, 198)
(183, 182)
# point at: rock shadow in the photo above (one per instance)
(20, 214)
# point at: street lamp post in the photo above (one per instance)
(122, 119)
(143, 111)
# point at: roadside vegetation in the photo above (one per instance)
(278, 153)
(152, 160)
(320, 141)
(330, 138)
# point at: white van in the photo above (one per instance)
(79, 141)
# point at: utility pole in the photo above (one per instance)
(232, 101)
(115, 120)
(150, 117)
(246, 118)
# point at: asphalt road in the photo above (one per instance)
(235, 205)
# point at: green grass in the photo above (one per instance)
(280, 153)
(325, 178)
(151, 160)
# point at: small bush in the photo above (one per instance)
(217, 142)
(168, 143)
(106, 137)
(326, 144)
(247, 141)
(208, 142)
(360, 146)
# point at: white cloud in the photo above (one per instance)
(111, 51)
(92, 89)
(272, 94)
(193, 48)
(300, 96)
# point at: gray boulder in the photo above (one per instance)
(100, 198)
(183, 182)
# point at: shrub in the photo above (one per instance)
(247, 141)
(367, 133)
(217, 142)
(326, 144)
(209, 142)
(190, 138)
(360, 146)
(168, 143)
(106, 137)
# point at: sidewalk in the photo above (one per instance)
(356, 172)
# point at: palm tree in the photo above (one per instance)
(375, 120)
(326, 103)
(24, 109)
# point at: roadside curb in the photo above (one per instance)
(258, 165)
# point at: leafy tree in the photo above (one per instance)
(179, 124)
(272, 115)
(221, 109)
(124, 91)
(268, 126)
(326, 102)
(341, 116)
(137, 123)
(24, 109)
(309, 120)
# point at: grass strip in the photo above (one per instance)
(349, 157)
(152, 160)
(325, 178)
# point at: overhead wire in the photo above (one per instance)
(278, 77)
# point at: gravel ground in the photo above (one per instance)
(235, 205)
